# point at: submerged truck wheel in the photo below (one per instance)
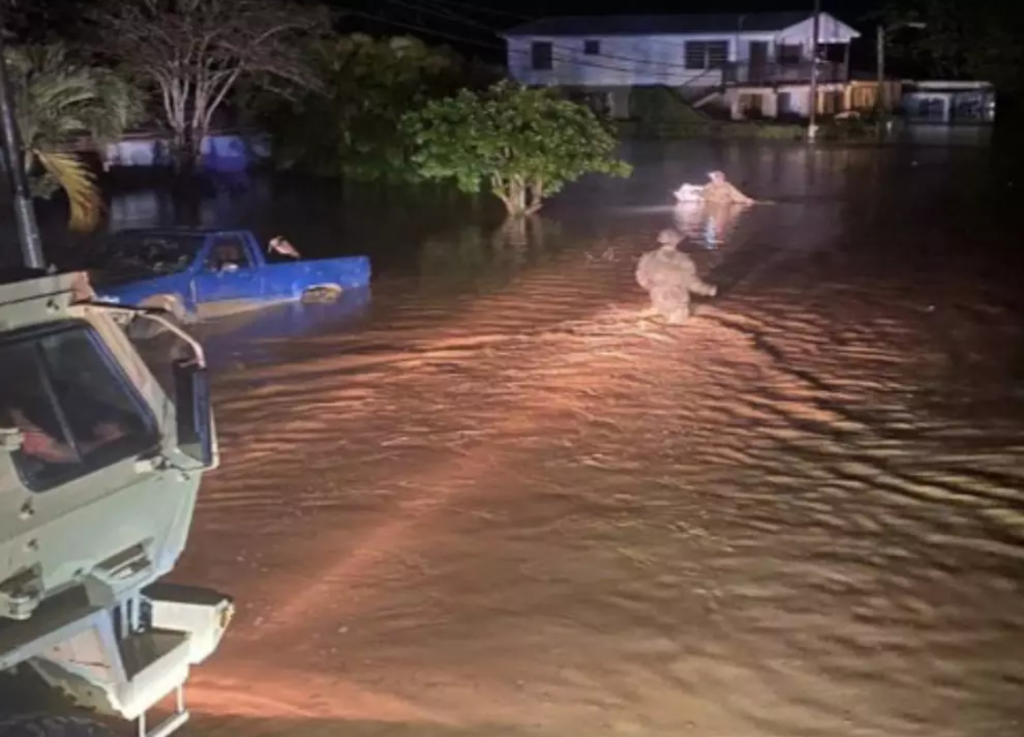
(43, 725)
(322, 293)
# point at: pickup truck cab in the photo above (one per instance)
(202, 273)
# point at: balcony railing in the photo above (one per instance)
(773, 72)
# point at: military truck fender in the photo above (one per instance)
(44, 725)
(137, 654)
(173, 307)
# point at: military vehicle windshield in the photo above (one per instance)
(154, 253)
(76, 410)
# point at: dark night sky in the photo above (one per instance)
(470, 25)
(581, 7)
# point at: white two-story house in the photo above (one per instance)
(753, 64)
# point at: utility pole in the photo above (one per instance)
(812, 128)
(880, 94)
(882, 31)
(24, 214)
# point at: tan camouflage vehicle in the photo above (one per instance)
(100, 465)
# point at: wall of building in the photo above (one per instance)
(222, 152)
(862, 96)
(830, 31)
(951, 106)
(785, 100)
(625, 61)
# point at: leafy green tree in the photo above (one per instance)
(350, 125)
(62, 106)
(523, 144)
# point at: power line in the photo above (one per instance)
(529, 19)
(467, 39)
(576, 61)
(491, 11)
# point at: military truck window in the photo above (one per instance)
(75, 409)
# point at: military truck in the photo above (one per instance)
(100, 465)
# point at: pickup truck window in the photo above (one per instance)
(228, 252)
(161, 254)
(76, 410)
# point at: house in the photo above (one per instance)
(222, 151)
(948, 102)
(752, 64)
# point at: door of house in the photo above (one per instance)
(758, 62)
(752, 105)
(832, 103)
(784, 104)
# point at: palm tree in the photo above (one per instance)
(61, 104)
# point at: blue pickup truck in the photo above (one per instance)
(202, 273)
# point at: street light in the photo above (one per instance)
(881, 32)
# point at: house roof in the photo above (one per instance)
(655, 25)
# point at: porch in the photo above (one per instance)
(793, 100)
(773, 73)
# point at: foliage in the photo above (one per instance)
(193, 53)
(660, 105)
(350, 125)
(61, 103)
(962, 40)
(524, 144)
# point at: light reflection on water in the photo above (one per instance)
(493, 494)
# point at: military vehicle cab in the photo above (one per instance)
(100, 465)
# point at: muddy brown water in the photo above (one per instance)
(495, 498)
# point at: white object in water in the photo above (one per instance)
(280, 245)
(689, 193)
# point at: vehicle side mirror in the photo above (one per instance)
(194, 412)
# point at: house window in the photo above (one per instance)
(706, 54)
(718, 54)
(541, 55)
(789, 54)
(696, 53)
(592, 47)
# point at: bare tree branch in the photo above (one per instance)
(194, 52)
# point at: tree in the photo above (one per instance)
(62, 104)
(976, 40)
(195, 52)
(41, 21)
(524, 144)
(350, 124)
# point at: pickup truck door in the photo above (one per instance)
(229, 272)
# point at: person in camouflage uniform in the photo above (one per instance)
(720, 191)
(670, 277)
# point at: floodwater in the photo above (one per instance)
(496, 498)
